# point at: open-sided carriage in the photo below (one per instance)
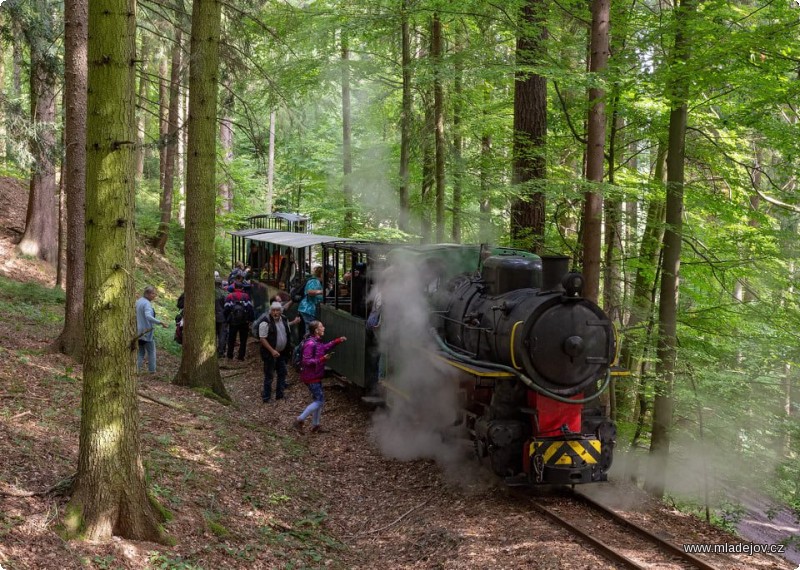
(354, 271)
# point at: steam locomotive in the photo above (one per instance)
(531, 355)
(534, 357)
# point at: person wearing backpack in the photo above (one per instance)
(274, 336)
(312, 297)
(221, 327)
(238, 311)
(315, 354)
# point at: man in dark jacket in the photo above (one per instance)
(274, 335)
(238, 314)
(219, 314)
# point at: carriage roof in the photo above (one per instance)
(286, 239)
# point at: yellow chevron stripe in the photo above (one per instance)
(564, 460)
(582, 452)
(558, 452)
(551, 450)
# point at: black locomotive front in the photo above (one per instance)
(528, 317)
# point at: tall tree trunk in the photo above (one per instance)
(457, 145)
(405, 117)
(3, 131)
(485, 220)
(786, 380)
(41, 222)
(596, 137)
(647, 259)
(141, 116)
(637, 337)
(271, 162)
(668, 306)
(530, 130)
(347, 147)
(437, 49)
(165, 205)
(163, 118)
(199, 357)
(226, 142)
(638, 328)
(612, 210)
(428, 166)
(61, 269)
(16, 58)
(110, 495)
(76, 15)
(180, 158)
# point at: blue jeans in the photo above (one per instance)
(307, 320)
(149, 347)
(272, 364)
(314, 407)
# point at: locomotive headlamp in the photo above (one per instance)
(573, 284)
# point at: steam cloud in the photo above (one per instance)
(423, 397)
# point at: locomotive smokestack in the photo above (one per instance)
(554, 268)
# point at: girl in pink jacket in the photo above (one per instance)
(315, 354)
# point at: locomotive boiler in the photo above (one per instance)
(535, 357)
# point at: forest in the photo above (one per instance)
(657, 144)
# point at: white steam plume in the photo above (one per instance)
(424, 395)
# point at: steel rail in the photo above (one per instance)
(663, 544)
(606, 551)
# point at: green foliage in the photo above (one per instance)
(214, 525)
(158, 492)
(163, 561)
(208, 393)
(31, 302)
(305, 539)
(105, 562)
(725, 515)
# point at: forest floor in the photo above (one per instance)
(244, 488)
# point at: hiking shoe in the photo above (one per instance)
(298, 425)
(319, 429)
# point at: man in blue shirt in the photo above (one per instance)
(145, 322)
(312, 297)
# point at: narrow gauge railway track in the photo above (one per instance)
(613, 536)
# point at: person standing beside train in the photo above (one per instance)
(276, 346)
(145, 321)
(315, 354)
(238, 311)
(312, 297)
(221, 327)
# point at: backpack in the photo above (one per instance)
(299, 290)
(179, 328)
(297, 354)
(238, 315)
(254, 327)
